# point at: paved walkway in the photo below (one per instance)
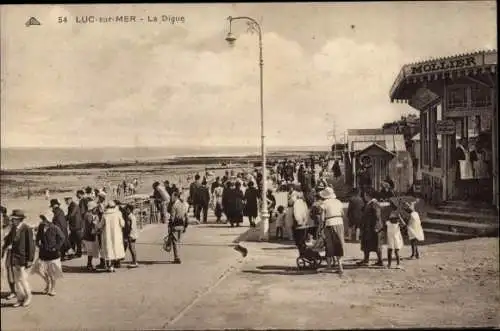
(454, 284)
(149, 297)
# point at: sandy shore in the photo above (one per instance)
(15, 184)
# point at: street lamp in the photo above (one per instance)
(230, 38)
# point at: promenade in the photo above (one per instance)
(453, 284)
(149, 297)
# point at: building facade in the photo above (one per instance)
(457, 100)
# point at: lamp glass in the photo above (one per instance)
(230, 38)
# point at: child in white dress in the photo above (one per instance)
(393, 235)
(415, 230)
(280, 222)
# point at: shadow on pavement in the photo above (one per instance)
(280, 270)
(154, 262)
(72, 269)
(217, 226)
(7, 305)
(432, 239)
(278, 248)
(252, 234)
(4, 294)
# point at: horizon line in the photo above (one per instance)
(159, 146)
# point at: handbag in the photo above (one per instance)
(177, 224)
(167, 243)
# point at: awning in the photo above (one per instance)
(435, 69)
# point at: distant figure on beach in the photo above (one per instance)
(131, 188)
(47, 194)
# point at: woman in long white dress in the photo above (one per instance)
(112, 223)
(415, 230)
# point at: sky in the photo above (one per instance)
(161, 84)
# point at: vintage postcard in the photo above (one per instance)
(329, 165)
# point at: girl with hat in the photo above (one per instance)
(332, 218)
(22, 253)
(49, 239)
(415, 231)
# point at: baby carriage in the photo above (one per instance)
(309, 255)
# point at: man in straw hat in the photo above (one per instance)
(22, 253)
(60, 221)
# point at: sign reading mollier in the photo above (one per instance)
(441, 65)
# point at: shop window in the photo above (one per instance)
(425, 139)
(436, 139)
(457, 97)
(480, 96)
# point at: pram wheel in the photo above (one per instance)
(301, 263)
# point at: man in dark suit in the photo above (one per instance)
(204, 196)
(194, 196)
(75, 222)
(21, 243)
(60, 221)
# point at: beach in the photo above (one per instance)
(25, 187)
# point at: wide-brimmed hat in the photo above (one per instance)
(17, 214)
(92, 205)
(54, 202)
(320, 187)
(327, 193)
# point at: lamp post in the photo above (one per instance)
(230, 38)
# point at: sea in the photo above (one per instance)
(17, 158)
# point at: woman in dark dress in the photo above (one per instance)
(238, 204)
(251, 203)
(371, 229)
(226, 201)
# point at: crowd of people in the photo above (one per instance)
(106, 228)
